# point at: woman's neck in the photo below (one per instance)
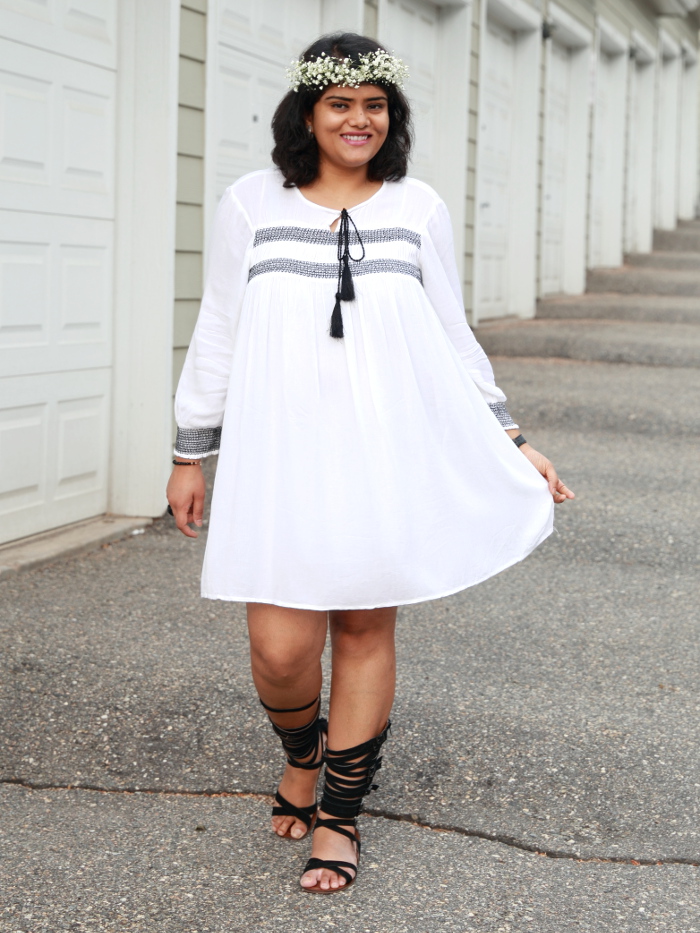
(338, 188)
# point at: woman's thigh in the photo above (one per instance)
(358, 626)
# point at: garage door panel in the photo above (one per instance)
(55, 293)
(23, 454)
(56, 134)
(277, 30)
(410, 28)
(24, 294)
(249, 91)
(82, 29)
(54, 445)
(79, 447)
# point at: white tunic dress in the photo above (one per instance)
(367, 471)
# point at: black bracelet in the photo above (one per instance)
(519, 440)
(187, 462)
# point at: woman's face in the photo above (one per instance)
(350, 124)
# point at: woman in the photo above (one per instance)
(366, 459)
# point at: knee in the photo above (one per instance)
(279, 665)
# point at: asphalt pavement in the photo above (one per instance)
(543, 772)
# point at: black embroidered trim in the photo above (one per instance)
(328, 238)
(197, 442)
(501, 412)
(329, 270)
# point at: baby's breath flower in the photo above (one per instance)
(373, 68)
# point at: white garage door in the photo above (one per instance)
(409, 28)
(57, 111)
(257, 39)
(556, 149)
(495, 141)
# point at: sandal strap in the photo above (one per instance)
(301, 744)
(285, 808)
(296, 709)
(334, 866)
(338, 826)
(349, 776)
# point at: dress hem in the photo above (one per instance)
(402, 602)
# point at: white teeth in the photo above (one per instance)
(346, 136)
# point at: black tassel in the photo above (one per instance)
(347, 289)
(337, 319)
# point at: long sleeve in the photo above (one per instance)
(201, 392)
(441, 283)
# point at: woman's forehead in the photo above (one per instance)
(364, 92)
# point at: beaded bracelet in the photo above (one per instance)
(187, 462)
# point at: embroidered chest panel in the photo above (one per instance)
(312, 252)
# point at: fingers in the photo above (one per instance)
(186, 493)
(183, 516)
(557, 487)
(198, 509)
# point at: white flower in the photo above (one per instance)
(373, 68)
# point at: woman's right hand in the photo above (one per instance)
(185, 493)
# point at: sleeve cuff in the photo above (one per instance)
(501, 412)
(197, 442)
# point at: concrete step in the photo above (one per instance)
(647, 343)
(672, 309)
(665, 260)
(685, 238)
(631, 280)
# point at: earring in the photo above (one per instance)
(308, 127)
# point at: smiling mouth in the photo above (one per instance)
(355, 137)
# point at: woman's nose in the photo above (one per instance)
(359, 118)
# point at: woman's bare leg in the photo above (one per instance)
(285, 651)
(362, 692)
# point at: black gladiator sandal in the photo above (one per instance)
(300, 743)
(346, 784)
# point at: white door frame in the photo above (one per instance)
(145, 254)
(522, 249)
(610, 189)
(667, 132)
(574, 35)
(639, 201)
(688, 135)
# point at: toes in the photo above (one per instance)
(281, 824)
(310, 879)
(322, 878)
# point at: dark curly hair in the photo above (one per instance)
(296, 151)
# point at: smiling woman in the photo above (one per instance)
(365, 457)
(298, 150)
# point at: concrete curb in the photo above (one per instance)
(68, 540)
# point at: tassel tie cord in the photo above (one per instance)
(345, 290)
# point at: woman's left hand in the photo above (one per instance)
(558, 488)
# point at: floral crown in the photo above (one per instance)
(373, 68)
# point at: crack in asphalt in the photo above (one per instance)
(511, 842)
